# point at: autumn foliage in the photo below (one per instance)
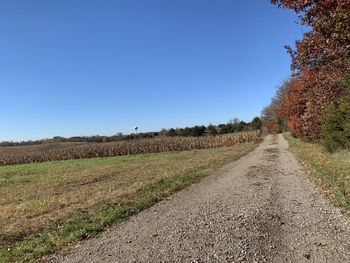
(320, 61)
(328, 43)
(304, 102)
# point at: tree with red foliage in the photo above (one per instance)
(328, 43)
(304, 102)
(321, 58)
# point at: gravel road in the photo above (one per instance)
(261, 208)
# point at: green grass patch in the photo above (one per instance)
(46, 206)
(330, 171)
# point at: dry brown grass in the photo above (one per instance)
(330, 171)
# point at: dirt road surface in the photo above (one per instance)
(261, 208)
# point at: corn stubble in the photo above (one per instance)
(141, 146)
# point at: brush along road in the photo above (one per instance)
(261, 208)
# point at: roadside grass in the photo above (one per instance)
(330, 171)
(45, 207)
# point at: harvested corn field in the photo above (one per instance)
(42, 153)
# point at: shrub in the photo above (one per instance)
(335, 128)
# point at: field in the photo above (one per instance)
(330, 171)
(67, 151)
(45, 206)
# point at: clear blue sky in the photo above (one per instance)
(85, 67)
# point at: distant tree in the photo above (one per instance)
(171, 132)
(198, 131)
(271, 120)
(226, 128)
(234, 121)
(105, 139)
(179, 131)
(163, 131)
(58, 139)
(211, 129)
(256, 124)
(241, 126)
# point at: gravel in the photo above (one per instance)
(261, 208)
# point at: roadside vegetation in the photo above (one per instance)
(330, 170)
(46, 206)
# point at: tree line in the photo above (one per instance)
(314, 103)
(234, 125)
